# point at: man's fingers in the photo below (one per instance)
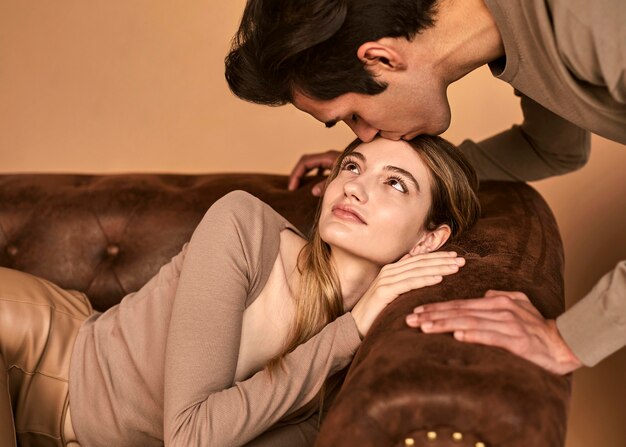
(324, 160)
(471, 303)
(511, 294)
(469, 323)
(489, 338)
(492, 302)
(300, 170)
(506, 316)
(318, 189)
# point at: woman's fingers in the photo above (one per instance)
(428, 268)
(416, 279)
(407, 263)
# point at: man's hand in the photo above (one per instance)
(307, 163)
(504, 319)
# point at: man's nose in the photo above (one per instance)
(391, 136)
(364, 131)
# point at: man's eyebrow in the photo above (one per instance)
(405, 173)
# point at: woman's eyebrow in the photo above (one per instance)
(395, 169)
(358, 155)
(404, 173)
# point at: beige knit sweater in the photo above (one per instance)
(161, 364)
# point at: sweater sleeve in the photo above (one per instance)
(544, 145)
(302, 434)
(203, 405)
(595, 327)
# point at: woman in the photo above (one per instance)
(237, 335)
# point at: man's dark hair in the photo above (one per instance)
(312, 45)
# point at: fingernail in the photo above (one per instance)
(418, 309)
(316, 191)
(460, 261)
(427, 325)
(412, 319)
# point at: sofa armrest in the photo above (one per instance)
(409, 388)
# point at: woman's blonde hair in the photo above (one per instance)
(454, 203)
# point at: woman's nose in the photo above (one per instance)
(355, 189)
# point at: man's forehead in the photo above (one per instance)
(306, 103)
(322, 110)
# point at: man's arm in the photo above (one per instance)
(595, 327)
(544, 145)
(503, 319)
(587, 333)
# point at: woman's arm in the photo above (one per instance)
(202, 404)
(302, 434)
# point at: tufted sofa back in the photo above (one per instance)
(108, 235)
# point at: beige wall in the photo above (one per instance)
(138, 86)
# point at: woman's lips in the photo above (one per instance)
(347, 213)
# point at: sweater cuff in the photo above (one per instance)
(351, 339)
(595, 327)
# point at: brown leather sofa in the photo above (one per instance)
(107, 235)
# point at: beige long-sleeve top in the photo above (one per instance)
(567, 61)
(159, 367)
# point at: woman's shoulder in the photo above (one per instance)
(250, 212)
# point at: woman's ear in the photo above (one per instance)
(382, 55)
(432, 240)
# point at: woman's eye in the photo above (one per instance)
(352, 167)
(349, 165)
(397, 184)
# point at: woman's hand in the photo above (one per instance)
(410, 272)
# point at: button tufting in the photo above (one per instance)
(113, 249)
(12, 250)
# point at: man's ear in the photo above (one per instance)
(382, 55)
(432, 240)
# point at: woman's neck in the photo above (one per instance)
(355, 275)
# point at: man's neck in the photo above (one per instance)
(464, 37)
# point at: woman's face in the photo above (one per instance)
(376, 207)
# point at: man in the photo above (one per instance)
(383, 68)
